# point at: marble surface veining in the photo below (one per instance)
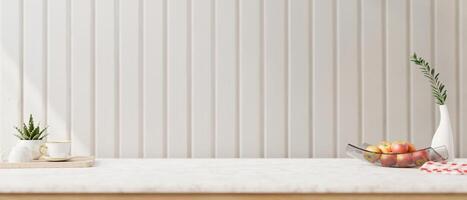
(229, 176)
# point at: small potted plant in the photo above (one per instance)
(31, 136)
(443, 135)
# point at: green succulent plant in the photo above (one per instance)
(30, 131)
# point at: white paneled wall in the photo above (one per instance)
(230, 78)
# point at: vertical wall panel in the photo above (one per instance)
(106, 85)
(324, 78)
(34, 83)
(463, 78)
(397, 69)
(299, 79)
(275, 70)
(154, 78)
(177, 76)
(82, 78)
(348, 66)
(373, 71)
(446, 58)
(251, 138)
(202, 79)
(10, 73)
(58, 69)
(130, 66)
(226, 78)
(421, 105)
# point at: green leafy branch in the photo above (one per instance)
(437, 88)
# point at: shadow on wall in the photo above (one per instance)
(23, 92)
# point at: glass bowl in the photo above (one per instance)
(412, 159)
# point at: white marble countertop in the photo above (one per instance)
(229, 176)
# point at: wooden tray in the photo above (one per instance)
(75, 162)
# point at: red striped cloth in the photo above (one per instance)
(444, 168)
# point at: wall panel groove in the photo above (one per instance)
(21, 57)
(384, 21)
(213, 80)
(360, 70)
(433, 49)
(286, 77)
(409, 71)
(93, 77)
(117, 78)
(68, 61)
(45, 58)
(189, 77)
(141, 78)
(262, 82)
(336, 81)
(311, 68)
(237, 78)
(462, 76)
(458, 77)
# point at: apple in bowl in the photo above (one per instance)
(404, 160)
(420, 157)
(385, 147)
(400, 147)
(388, 160)
(373, 153)
(412, 147)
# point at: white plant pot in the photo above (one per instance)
(443, 135)
(33, 145)
(20, 154)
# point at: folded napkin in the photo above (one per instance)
(444, 168)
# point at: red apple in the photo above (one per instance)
(420, 157)
(373, 155)
(388, 160)
(385, 147)
(399, 147)
(411, 147)
(404, 160)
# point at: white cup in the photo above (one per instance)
(58, 149)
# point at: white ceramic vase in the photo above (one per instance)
(33, 145)
(443, 135)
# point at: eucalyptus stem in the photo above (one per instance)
(438, 89)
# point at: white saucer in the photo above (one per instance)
(54, 159)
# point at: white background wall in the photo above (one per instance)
(230, 78)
